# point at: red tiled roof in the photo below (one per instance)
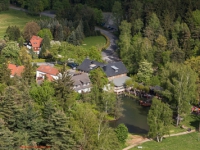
(36, 41)
(15, 70)
(49, 77)
(48, 70)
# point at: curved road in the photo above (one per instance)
(110, 54)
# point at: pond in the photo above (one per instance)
(135, 116)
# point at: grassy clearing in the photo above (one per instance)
(14, 17)
(189, 141)
(98, 41)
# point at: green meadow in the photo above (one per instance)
(14, 18)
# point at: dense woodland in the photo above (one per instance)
(158, 43)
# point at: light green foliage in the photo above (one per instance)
(159, 119)
(196, 17)
(124, 38)
(161, 41)
(154, 81)
(153, 29)
(138, 25)
(41, 94)
(11, 52)
(98, 15)
(98, 77)
(44, 32)
(179, 82)
(145, 72)
(129, 83)
(122, 133)
(94, 54)
(91, 132)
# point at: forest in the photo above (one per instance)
(158, 43)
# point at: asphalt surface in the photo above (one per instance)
(44, 13)
(110, 54)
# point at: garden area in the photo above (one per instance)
(14, 17)
(182, 142)
(98, 41)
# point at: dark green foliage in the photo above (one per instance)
(28, 74)
(57, 132)
(7, 139)
(122, 133)
(63, 91)
(4, 73)
(4, 5)
(10, 106)
(13, 33)
(29, 121)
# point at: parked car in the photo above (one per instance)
(72, 65)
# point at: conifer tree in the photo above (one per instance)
(63, 90)
(57, 132)
(10, 106)
(7, 139)
(29, 121)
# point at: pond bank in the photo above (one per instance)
(135, 116)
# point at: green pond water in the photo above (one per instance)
(135, 116)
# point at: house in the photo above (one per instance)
(81, 82)
(36, 42)
(49, 72)
(117, 74)
(15, 70)
(88, 65)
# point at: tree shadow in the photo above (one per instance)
(136, 129)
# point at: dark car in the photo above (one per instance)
(72, 65)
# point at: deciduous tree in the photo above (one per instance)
(159, 119)
(30, 29)
(179, 82)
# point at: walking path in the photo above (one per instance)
(143, 140)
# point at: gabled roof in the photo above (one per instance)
(48, 70)
(49, 77)
(114, 69)
(80, 79)
(88, 65)
(15, 70)
(36, 41)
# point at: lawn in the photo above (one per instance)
(98, 41)
(12, 18)
(189, 141)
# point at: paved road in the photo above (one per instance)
(110, 54)
(44, 13)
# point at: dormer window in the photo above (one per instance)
(115, 68)
(92, 66)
